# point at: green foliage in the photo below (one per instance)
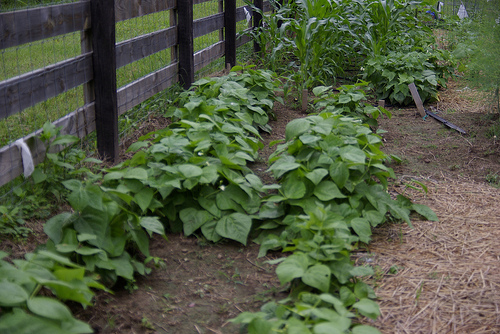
(390, 75)
(192, 176)
(477, 44)
(24, 312)
(44, 191)
(333, 191)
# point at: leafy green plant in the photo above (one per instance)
(24, 311)
(11, 223)
(390, 75)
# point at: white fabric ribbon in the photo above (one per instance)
(28, 164)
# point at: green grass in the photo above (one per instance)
(30, 57)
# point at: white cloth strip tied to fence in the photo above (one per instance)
(28, 164)
(462, 12)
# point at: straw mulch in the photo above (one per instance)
(440, 277)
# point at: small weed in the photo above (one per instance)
(147, 324)
(433, 275)
(493, 180)
(395, 269)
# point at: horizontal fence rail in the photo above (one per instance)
(26, 26)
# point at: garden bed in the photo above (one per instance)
(435, 277)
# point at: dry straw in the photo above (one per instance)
(441, 277)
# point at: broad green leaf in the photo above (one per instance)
(368, 308)
(55, 225)
(352, 154)
(326, 328)
(143, 198)
(339, 172)
(327, 190)
(294, 187)
(12, 294)
(20, 322)
(193, 219)
(123, 266)
(362, 228)
(425, 211)
(294, 266)
(58, 258)
(259, 326)
(283, 165)
(318, 276)
(136, 173)
(141, 239)
(49, 308)
(296, 127)
(189, 170)
(152, 224)
(365, 329)
(209, 232)
(235, 226)
(297, 326)
(374, 217)
(317, 175)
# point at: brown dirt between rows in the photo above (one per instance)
(433, 278)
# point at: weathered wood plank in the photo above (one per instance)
(242, 39)
(26, 90)
(26, 26)
(197, 2)
(128, 9)
(143, 46)
(78, 123)
(240, 13)
(204, 57)
(208, 24)
(140, 90)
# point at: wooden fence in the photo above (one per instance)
(95, 68)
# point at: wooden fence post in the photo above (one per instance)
(104, 67)
(185, 38)
(230, 31)
(257, 22)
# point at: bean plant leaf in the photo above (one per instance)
(294, 266)
(294, 187)
(193, 219)
(352, 154)
(296, 127)
(49, 308)
(327, 328)
(327, 190)
(235, 226)
(362, 228)
(143, 198)
(365, 329)
(318, 276)
(339, 173)
(12, 294)
(425, 211)
(368, 308)
(152, 224)
(55, 225)
(20, 322)
(317, 175)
